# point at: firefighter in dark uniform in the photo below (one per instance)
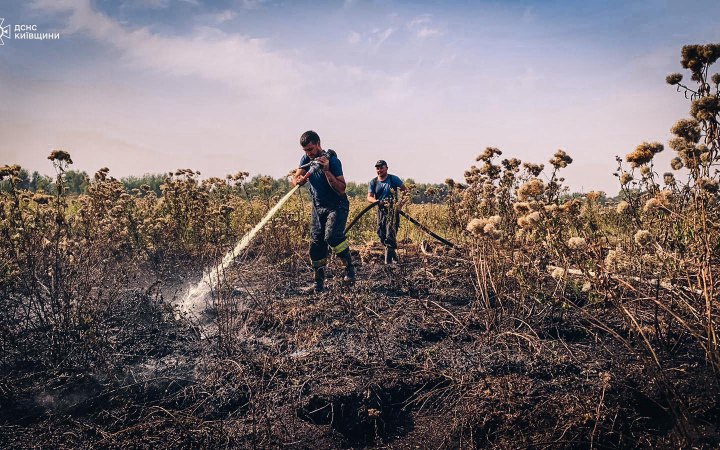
(330, 207)
(383, 188)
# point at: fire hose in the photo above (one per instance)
(404, 214)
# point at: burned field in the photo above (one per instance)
(405, 358)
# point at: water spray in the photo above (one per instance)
(193, 300)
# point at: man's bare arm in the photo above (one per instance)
(298, 177)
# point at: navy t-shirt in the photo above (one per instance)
(381, 189)
(322, 193)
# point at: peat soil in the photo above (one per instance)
(405, 358)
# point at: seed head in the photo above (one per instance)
(705, 108)
(688, 129)
(708, 185)
(623, 207)
(560, 159)
(476, 225)
(643, 238)
(676, 163)
(651, 205)
(668, 178)
(529, 221)
(532, 189)
(534, 169)
(625, 178)
(614, 259)
(558, 273)
(521, 208)
(60, 155)
(488, 154)
(644, 153)
(673, 79)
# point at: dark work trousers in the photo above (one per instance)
(388, 222)
(327, 228)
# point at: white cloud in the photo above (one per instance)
(380, 36)
(225, 16)
(425, 32)
(419, 21)
(421, 26)
(238, 61)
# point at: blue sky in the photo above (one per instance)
(153, 85)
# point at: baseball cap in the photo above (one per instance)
(380, 163)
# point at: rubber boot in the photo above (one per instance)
(390, 255)
(346, 258)
(319, 280)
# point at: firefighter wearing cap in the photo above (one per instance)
(383, 188)
(330, 208)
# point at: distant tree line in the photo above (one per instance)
(257, 186)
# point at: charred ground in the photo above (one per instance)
(406, 358)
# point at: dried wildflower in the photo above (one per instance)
(688, 129)
(643, 238)
(695, 57)
(488, 153)
(708, 185)
(664, 197)
(623, 207)
(705, 108)
(615, 259)
(715, 78)
(668, 178)
(530, 220)
(560, 159)
(521, 208)
(706, 156)
(594, 196)
(532, 189)
(511, 164)
(450, 182)
(9, 171)
(676, 163)
(625, 178)
(571, 206)
(586, 287)
(651, 205)
(476, 225)
(558, 273)
(534, 169)
(551, 208)
(60, 155)
(673, 79)
(577, 243)
(645, 170)
(490, 230)
(644, 153)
